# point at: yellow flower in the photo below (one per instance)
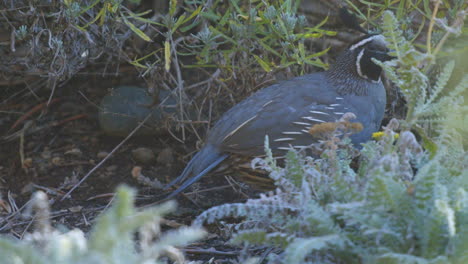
(379, 135)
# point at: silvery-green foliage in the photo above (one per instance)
(425, 102)
(112, 239)
(387, 212)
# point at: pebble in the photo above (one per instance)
(102, 154)
(112, 168)
(166, 157)
(143, 155)
(74, 152)
(56, 161)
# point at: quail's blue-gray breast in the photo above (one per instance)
(287, 110)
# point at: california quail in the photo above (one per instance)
(286, 111)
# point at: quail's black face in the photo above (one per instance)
(364, 50)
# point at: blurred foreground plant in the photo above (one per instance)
(112, 240)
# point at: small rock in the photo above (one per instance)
(75, 209)
(125, 107)
(166, 156)
(102, 154)
(74, 152)
(112, 168)
(46, 154)
(143, 155)
(28, 188)
(56, 161)
(28, 162)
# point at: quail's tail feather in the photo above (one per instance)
(202, 163)
(184, 174)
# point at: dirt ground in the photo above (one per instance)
(64, 142)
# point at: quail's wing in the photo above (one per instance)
(285, 112)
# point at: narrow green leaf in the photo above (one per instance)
(263, 63)
(101, 13)
(179, 22)
(136, 30)
(172, 7)
(167, 55)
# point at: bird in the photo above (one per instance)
(286, 111)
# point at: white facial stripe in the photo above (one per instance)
(367, 40)
(358, 64)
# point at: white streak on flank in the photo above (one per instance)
(267, 103)
(291, 133)
(300, 146)
(313, 119)
(283, 139)
(305, 131)
(367, 40)
(319, 113)
(302, 123)
(335, 104)
(239, 127)
(283, 148)
(338, 113)
(330, 108)
(339, 98)
(358, 64)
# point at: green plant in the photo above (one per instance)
(407, 202)
(271, 31)
(112, 239)
(386, 212)
(423, 99)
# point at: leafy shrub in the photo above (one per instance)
(407, 202)
(57, 39)
(386, 211)
(234, 46)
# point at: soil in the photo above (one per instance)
(63, 143)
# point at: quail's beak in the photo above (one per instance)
(390, 56)
(383, 55)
